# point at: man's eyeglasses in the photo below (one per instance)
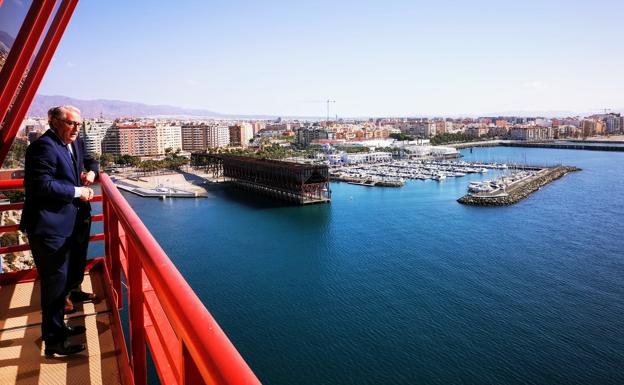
(70, 122)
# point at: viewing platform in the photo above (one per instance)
(21, 352)
(135, 278)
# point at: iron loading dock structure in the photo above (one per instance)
(287, 181)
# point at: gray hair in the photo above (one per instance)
(60, 112)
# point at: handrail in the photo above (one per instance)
(18, 184)
(11, 184)
(187, 344)
(206, 354)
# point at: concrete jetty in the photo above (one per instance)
(172, 185)
(518, 191)
(591, 146)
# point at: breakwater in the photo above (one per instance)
(486, 143)
(519, 191)
(566, 146)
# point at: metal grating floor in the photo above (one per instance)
(21, 350)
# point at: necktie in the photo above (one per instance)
(71, 154)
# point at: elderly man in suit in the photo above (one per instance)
(57, 219)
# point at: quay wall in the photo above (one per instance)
(521, 191)
(574, 146)
(488, 143)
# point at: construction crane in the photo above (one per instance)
(328, 102)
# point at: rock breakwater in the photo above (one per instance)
(520, 191)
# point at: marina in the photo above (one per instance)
(394, 174)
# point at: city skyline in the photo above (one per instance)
(395, 59)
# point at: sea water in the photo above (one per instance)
(407, 286)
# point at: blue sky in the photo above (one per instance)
(375, 58)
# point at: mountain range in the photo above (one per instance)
(112, 109)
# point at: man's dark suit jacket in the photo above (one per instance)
(50, 208)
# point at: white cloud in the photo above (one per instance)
(71, 64)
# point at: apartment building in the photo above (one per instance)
(201, 137)
(241, 134)
(531, 133)
(304, 136)
(141, 139)
(93, 133)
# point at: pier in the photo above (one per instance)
(517, 191)
(287, 181)
(591, 146)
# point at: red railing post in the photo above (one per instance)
(190, 372)
(111, 248)
(108, 240)
(137, 320)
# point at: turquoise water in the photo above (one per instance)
(406, 286)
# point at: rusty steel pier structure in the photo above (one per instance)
(288, 181)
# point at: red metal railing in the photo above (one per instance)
(186, 343)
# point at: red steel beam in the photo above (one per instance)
(22, 50)
(33, 80)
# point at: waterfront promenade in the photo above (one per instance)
(181, 184)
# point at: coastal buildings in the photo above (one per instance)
(477, 130)
(141, 139)
(32, 129)
(304, 136)
(613, 123)
(241, 134)
(93, 133)
(198, 137)
(531, 133)
(217, 136)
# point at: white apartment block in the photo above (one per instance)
(93, 134)
(171, 137)
(217, 136)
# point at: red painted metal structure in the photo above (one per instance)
(35, 74)
(186, 343)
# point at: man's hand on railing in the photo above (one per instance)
(87, 178)
(86, 193)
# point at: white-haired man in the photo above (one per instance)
(57, 220)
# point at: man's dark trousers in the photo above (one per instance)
(79, 248)
(51, 255)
